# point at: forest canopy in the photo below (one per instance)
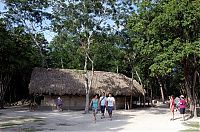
(157, 42)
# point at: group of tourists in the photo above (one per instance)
(177, 104)
(103, 103)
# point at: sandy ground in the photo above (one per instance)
(143, 119)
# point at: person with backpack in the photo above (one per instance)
(94, 106)
(102, 104)
(176, 101)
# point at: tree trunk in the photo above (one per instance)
(86, 87)
(193, 109)
(87, 102)
(142, 87)
(88, 75)
(131, 100)
(195, 99)
(187, 84)
(125, 103)
(161, 90)
(151, 96)
(61, 61)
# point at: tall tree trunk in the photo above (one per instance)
(142, 87)
(86, 86)
(161, 89)
(151, 98)
(193, 108)
(131, 99)
(187, 84)
(195, 97)
(61, 61)
(88, 75)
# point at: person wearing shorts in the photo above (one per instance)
(102, 103)
(182, 106)
(94, 106)
(110, 102)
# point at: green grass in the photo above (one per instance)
(31, 129)
(192, 124)
(192, 127)
(64, 124)
(5, 125)
(20, 121)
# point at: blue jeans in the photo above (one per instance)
(110, 108)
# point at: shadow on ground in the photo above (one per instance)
(21, 119)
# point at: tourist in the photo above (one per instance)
(171, 106)
(176, 101)
(94, 106)
(102, 104)
(59, 104)
(182, 106)
(110, 102)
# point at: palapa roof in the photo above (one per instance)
(72, 82)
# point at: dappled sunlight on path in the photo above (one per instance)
(141, 119)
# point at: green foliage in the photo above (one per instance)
(16, 50)
(90, 27)
(65, 53)
(166, 31)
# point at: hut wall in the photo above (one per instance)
(120, 102)
(69, 102)
(77, 102)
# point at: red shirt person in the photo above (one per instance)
(172, 106)
(182, 106)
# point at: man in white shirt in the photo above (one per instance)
(102, 103)
(110, 102)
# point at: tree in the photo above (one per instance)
(86, 20)
(32, 16)
(168, 33)
(16, 54)
(64, 52)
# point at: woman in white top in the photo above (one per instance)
(110, 102)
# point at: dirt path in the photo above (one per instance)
(148, 119)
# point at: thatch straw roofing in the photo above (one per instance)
(71, 82)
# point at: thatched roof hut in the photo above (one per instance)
(71, 82)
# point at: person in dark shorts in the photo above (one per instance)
(182, 106)
(110, 102)
(102, 104)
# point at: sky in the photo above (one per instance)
(1, 5)
(47, 34)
